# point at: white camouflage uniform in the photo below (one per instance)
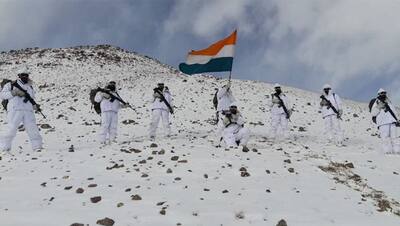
(386, 125)
(159, 110)
(279, 120)
(225, 99)
(109, 117)
(234, 132)
(19, 111)
(333, 130)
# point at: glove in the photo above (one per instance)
(323, 103)
(36, 107)
(106, 95)
(374, 119)
(276, 101)
(290, 111)
(17, 92)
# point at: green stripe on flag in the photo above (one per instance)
(214, 65)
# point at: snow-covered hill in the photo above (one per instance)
(185, 180)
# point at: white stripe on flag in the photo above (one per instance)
(226, 51)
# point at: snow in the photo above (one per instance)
(34, 185)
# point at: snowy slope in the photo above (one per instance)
(185, 180)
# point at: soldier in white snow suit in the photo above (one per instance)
(109, 113)
(385, 116)
(225, 99)
(160, 109)
(20, 111)
(331, 109)
(279, 117)
(234, 132)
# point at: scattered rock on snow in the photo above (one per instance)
(45, 126)
(95, 199)
(106, 222)
(174, 158)
(136, 197)
(282, 223)
(153, 145)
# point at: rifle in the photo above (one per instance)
(331, 106)
(283, 106)
(115, 97)
(164, 100)
(28, 98)
(387, 108)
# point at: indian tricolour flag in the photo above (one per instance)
(217, 57)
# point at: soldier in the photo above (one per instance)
(160, 109)
(20, 111)
(109, 112)
(235, 133)
(280, 113)
(385, 116)
(332, 111)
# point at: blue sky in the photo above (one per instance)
(351, 44)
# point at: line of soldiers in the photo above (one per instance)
(383, 114)
(231, 127)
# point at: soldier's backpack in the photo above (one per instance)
(371, 103)
(95, 105)
(4, 103)
(215, 100)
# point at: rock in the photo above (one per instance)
(45, 126)
(291, 170)
(71, 148)
(153, 145)
(106, 222)
(169, 170)
(282, 223)
(225, 191)
(68, 188)
(162, 212)
(239, 215)
(384, 205)
(77, 224)
(128, 121)
(302, 129)
(355, 115)
(161, 152)
(244, 174)
(287, 161)
(349, 165)
(242, 169)
(92, 185)
(174, 158)
(183, 161)
(79, 190)
(136, 197)
(135, 150)
(120, 204)
(95, 199)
